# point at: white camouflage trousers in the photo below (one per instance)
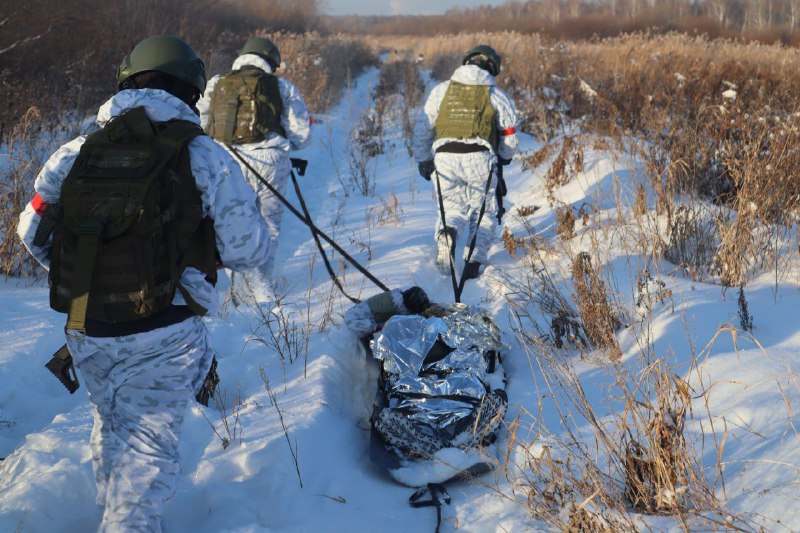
(273, 165)
(463, 180)
(140, 386)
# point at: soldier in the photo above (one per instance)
(264, 117)
(466, 129)
(131, 222)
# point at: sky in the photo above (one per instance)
(399, 7)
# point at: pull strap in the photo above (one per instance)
(439, 497)
(474, 240)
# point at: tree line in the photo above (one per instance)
(764, 20)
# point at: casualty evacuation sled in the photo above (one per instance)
(441, 392)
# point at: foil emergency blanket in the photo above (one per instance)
(435, 367)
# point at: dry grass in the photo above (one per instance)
(599, 319)
(588, 472)
(712, 119)
(23, 158)
(565, 222)
(43, 64)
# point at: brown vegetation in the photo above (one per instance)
(598, 317)
(713, 119)
(66, 60)
(766, 21)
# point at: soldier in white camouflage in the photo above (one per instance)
(263, 127)
(467, 128)
(142, 373)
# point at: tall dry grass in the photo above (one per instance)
(43, 64)
(20, 161)
(710, 119)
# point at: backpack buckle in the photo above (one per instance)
(75, 333)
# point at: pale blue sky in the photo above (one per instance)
(399, 7)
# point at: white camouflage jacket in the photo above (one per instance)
(424, 134)
(294, 118)
(242, 236)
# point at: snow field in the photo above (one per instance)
(325, 398)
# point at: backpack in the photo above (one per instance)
(131, 221)
(466, 112)
(246, 106)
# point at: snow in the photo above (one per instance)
(325, 394)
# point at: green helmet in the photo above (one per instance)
(263, 48)
(489, 53)
(166, 54)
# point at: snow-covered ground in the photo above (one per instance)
(324, 394)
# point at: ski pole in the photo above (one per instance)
(308, 222)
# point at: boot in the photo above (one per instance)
(446, 246)
(472, 270)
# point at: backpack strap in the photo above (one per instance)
(231, 117)
(177, 136)
(89, 235)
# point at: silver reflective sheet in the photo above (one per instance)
(442, 392)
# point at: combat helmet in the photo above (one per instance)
(492, 59)
(263, 48)
(166, 54)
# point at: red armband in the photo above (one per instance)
(508, 131)
(38, 204)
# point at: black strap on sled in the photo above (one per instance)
(301, 169)
(439, 496)
(307, 221)
(456, 292)
(462, 281)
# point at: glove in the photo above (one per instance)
(426, 169)
(415, 300)
(503, 162)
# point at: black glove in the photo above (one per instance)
(426, 169)
(415, 300)
(503, 162)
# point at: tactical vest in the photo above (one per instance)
(466, 112)
(246, 105)
(132, 221)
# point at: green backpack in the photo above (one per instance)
(245, 106)
(466, 112)
(131, 222)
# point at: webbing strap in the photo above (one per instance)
(196, 308)
(183, 140)
(462, 281)
(85, 256)
(456, 293)
(231, 116)
(439, 496)
(500, 193)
